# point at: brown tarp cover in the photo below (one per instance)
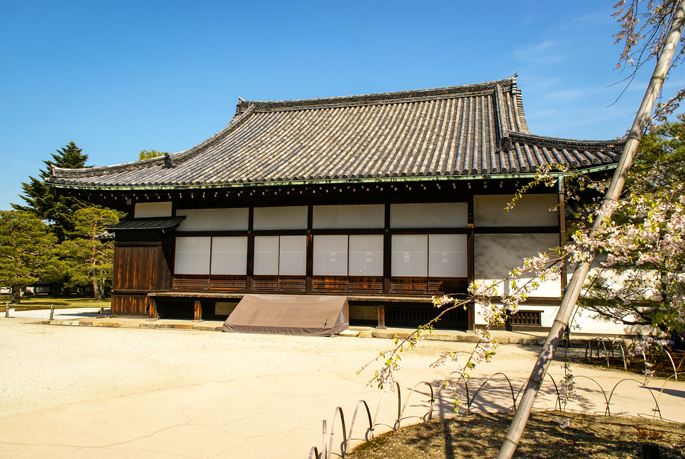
(290, 315)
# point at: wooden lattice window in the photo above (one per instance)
(525, 318)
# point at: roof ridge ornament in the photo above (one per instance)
(503, 140)
(242, 106)
(169, 162)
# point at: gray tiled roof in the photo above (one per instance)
(147, 224)
(468, 130)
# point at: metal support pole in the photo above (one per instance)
(52, 311)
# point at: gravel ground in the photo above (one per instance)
(46, 365)
(43, 366)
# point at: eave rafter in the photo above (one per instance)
(371, 180)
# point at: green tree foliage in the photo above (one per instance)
(89, 258)
(642, 284)
(44, 202)
(26, 250)
(664, 146)
(147, 154)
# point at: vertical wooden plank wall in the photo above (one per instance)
(141, 266)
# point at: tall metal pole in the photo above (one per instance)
(572, 293)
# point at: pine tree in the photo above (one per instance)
(147, 154)
(26, 250)
(89, 260)
(44, 202)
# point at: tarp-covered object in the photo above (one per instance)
(290, 315)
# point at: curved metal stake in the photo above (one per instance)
(644, 360)
(600, 388)
(468, 404)
(606, 354)
(598, 354)
(662, 389)
(466, 386)
(332, 434)
(378, 409)
(428, 415)
(675, 372)
(556, 389)
(354, 418)
(623, 355)
(323, 447)
(511, 389)
(399, 407)
(656, 409)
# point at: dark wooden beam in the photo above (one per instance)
(387, 248)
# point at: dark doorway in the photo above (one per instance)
(169, 309)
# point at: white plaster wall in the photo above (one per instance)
(587, 321)
(152, 209)
(213, 219)
(365, 216)
(266, 218)
(584, 322)
(530, 210)
(429, 215)
(495, 255)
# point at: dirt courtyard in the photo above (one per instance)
(45, 366)
(95, 391)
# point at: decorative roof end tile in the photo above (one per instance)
(169, 162)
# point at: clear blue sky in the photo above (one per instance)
(118, 77)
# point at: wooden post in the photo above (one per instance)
(381, 317)
(153, 308)
(197, 313)
(309, 263)
(387, 254)
(562, 230)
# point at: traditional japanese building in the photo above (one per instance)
(387, 199)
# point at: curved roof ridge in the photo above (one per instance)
(375, 98)
(523, 137)
(60, 172)
(178, 157)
